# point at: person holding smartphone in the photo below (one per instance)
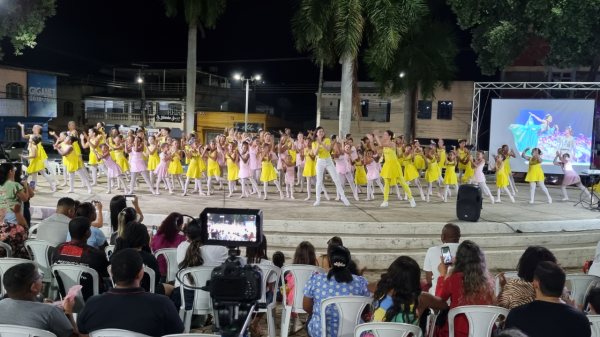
(450, 239)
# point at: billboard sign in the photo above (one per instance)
(41, 95)
(169, 112)
(12, 107)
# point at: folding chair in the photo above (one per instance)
(581, 284)
(595, 323)
(5, 264)
(507, 275)
(40, 251)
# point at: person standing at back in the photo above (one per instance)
(548, 315)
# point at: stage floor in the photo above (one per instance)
(359, 211)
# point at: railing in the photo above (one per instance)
(111, 116)
(376, 113)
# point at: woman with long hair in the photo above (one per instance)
(468, 283)
(321, 149)
(117, 205)
(13, 225)
(168, 235)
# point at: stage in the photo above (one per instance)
(376, 235)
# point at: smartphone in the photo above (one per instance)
(154, 230)
(129, 197)
(25, 177)
(95, 202)
(32, 184)
(447, 255)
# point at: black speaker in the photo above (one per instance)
(469, 202)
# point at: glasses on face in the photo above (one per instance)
(40, 276)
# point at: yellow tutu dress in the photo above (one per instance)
(419, 162)
(187, 148)
(391, 168)
(75, 144)
(153, 161)
(232, 170)
(41, 151)
(73, 161)
(507, 169)
(310, 166)
(400, 156)
(37, 163)
(93, 160)
(196, 166)
(268, 171)
(469, 172)
(450, 174)
(293, 154)
(213, 167)
(360, 176)
(121, 160)
(111, 142)
(432, 174)
(501, 178)
(442, 155)
(175, 166)
(410, 171)
(461, 155)
(535, 172)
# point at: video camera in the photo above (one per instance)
(234, 289)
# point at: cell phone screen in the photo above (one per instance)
(130, 197)
(154, 230)
(447, 255)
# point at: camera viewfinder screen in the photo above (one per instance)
(231, 227)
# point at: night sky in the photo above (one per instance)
(85, 36)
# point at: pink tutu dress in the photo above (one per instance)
(162, 170)
(478, 176)
(221, 159)
(244, 169)
(113, 169)
(254, 163)
(373, 170)
(571, 177)
(289, 175)
(342, 166)
(299, 149)
(136, 162)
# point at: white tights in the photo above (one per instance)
(300, 182)
(146, 177)
(167, 182)
(197, 185)
(485, 189)
(84, 178)
(51, 170)
(511, 181)
(312, 181)
(208, 184)
(348, 176)
(430, 189)
(419, 186)
(245, 193)
(266, 186)
(579, 184)
(179, 178)
(120, 181)
(505, 190)
(542, 186)
(43, 172)
(447, 191)
(289, 191)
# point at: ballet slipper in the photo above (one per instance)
(70, 191)
(307, 199)
(498, 200)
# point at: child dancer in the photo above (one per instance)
(507, 154)
(213, 166)
(372, 174)
(478, 176)
(246, 171)
(222, 146)
(162, 170)
(468, 171)
(92, 140)
(288, 168)
(37, 131)
(441, 152)
(501, 178)
(450, 174)
(36, 164)
(535, 173)
(360, 176)
(153, 158)
(119, 156)
(571, 177)
(432, 173)
(113, 170)
(418, 160)
(253, 151)
(73, 133)
(175, 168)
(138, 166)
(74, 163)
(410, 171)
(463, 164)
(343, 168)
(299, 147)
(195, 168)
(59, 142)
(232, 168)
(268, 171)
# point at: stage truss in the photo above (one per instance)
(479, 86)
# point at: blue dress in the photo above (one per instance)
(527, 136)
(319, 289)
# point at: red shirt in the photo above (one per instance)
(451, 288)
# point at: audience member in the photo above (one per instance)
(77, 252)
(55, 227)
(450, 238)
(548, 315)
(594, 300)
(279, 261)
(468, 283)
(399, 296)
(127, 306)
(13, 224)
(117, 205)
(516, 292)
(212, 255)
(168, 235)
(324, 259)
(14, 234)
(136, 236)
(338, 282)
(97, 238)
(29, 192)
(23, 283)
(259, 256)
(305, 254)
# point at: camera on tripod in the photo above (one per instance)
(234, 289)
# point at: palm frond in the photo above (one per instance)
(171, 7)
(349, 23)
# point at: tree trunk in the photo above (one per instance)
(413, 112)
(591, 76)
(356, 107)
(190, 98)
(410, 104)
(320, 94)
(346, 93)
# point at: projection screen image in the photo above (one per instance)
(549, 124)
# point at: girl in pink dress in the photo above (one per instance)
(255, 165)
(343, 168)
(478, 176)
(571, 177)
(288, 168)
(113, 170)
(221, 159)
(299, 148)
(162, 170)
(245, 173)
(137, 165)
(372, 174)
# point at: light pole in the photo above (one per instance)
(247, 79)
(140, 80)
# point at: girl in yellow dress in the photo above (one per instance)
(36, 130)
(73, 163)
(419, 160)
(152, 154)
(36, 163)
(507, 152)
(463, 164)
(310, 166)
(232, 167)
(432, 173)
(450, 174)
(501, 178)
(535, 174)
(268, 171)
(213, 166)
(119, 156)
(360, 175)
(411, 174)
(441, 151)
(175, 168)
(92, 141)
(73, 132)
(467, 177)
(196, 168)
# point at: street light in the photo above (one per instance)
(140, 80)
(247, 79)
(402, 74)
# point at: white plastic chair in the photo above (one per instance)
(202, 302)
(5, 264)
(31, 230)
(581, 284)
(595, 268)
(23, 331)
(39, 251)
(349, 309)
(151, 273)
(388, 329)
(6, 247)
(595, 323)
(115, 333)
(301, 273)
(507, 275)
(481, 318)
(170, 255)
(108, 250)
(71, 276)
(268, 271)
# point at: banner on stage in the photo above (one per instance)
(41, 95)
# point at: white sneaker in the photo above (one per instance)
(384, 204)
(412, 202)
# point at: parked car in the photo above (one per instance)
(14, 149)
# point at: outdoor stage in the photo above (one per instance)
(376, 236)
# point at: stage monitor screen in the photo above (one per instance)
(232, 227)
(563, 125)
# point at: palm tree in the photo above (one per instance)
(337, 28)
(424, 61)
(198, 14)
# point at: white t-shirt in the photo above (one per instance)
(432, 261)
(213, 256)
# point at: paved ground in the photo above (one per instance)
(359, 211)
